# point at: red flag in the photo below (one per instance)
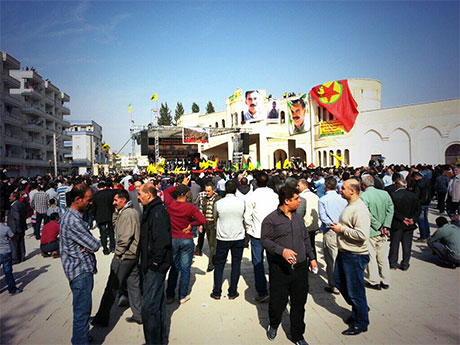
(336, 97)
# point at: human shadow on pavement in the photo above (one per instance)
(424, 254)
(100, 333)
(24, 277)
(32, 254)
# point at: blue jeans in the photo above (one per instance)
(182, 250)
(349, 279)
(81, 287)
(257, 253)
(7, 263)
(154, 316)
(423, 223)
(223, 247)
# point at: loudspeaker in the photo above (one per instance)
(144, 143)
(245, 140)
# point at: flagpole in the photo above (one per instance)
(133, 145)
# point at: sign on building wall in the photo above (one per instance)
(255, 107)
(298, 118)
(195, 135)
(81, 150)
(329, 128)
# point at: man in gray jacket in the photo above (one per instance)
(124, 262)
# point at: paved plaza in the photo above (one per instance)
(421, 307)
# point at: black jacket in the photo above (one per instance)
(406, 205)
(103, 205)
(17, 217)
(423, 190)
(155, 239)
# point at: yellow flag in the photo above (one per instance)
(251, 166)
(212, 164)
(278, 165)
(105, 147)
(154, 97)
(130, 108)
(286, 164)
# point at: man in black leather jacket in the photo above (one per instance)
(155, 260)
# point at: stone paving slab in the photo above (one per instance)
(421, 307)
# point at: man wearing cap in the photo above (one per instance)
(298, 111)
(183, 216)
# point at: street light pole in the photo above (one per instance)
(55, 154)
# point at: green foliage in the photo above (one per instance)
(195, 108)
(209, 108)
(165, 118)
(178, 112)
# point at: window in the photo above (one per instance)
(217, 124)
(319, 116)
(331, 158)
(242, 118)
(331, 117)
(319, 158)
(346, 158)
(324, 158)
(283, 117)
(339, 154)
(324, 114)
(223, 123)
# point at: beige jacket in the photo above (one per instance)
(127, 230)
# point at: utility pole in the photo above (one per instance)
(55, 154)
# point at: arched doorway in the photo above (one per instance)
(299, 152)
(279, 155)
(452, 154)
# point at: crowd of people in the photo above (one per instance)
(150, 224)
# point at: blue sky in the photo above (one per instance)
(106, 55)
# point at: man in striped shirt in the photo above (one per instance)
(40, 202)
(78, 260)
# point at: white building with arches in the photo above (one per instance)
(408, 134)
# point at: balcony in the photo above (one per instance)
(11, 139)
(64, 109)
(14, 159)
(12, 119)
(13, 101)
(32, 94)
(48, 99)
(10, 81)
(33, 144)
(33, 127)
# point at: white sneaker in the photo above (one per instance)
(185, 299)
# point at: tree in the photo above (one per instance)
(195, 108)
(165, 118)
(178, 112)
(209, 108)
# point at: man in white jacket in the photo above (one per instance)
(230, 237)
(260, 204)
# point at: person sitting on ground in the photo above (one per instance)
(445, 243)
(49, 242)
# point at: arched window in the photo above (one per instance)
(331, 158)
(339, 153)
(324, 158)
(319, 116)
(319, 158)
(223, 123)
(217, 124)
(242, 118)
(346, 157)
(331, 117)
(283, 117)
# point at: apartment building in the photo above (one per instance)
(86, 145)
(32, 114)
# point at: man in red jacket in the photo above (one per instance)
(183, 216)
(49, 242)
